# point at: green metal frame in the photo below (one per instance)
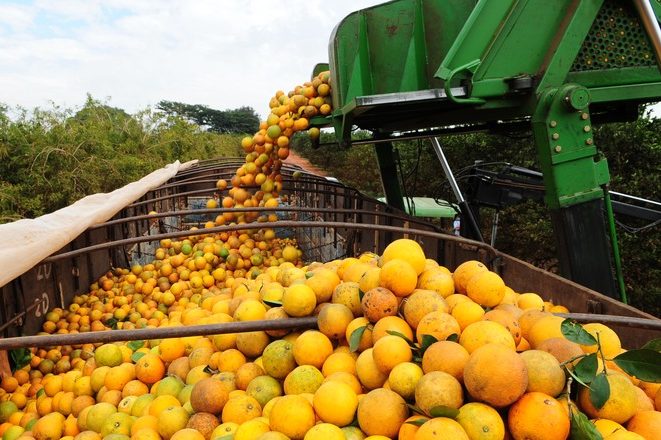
(410, 64)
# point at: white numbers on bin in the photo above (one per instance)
(42, 305)
(44, 271)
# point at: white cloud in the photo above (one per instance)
(221, 53)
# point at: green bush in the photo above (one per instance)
(51, 158)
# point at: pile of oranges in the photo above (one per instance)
(404, 349)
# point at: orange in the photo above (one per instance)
(467, 313)
(610, 342)
(209, 395)
(486, 288)
(187, 434)
(252, 344)
(339, 361)
(545, 328)
(390, 323)
(370, 279)
(303, 379)
(538, 415)
(323, 283)
(464, 272)
(646, 423)
(437, 281)
(50, 426)
(346, 378)
(374, 405)
(399, 277)
(390, 351)
(496, 375)
(544, 372)
(529, 318)
(407, 250)
(365, 341)
(403, 379)
(325, 431)
(334, 319)
(562, 349)
(379, 302)
(349, 295)
(230, 360)
(481, 421)
(620, 406)
(508, 320)
(480, 333)
(441, 428)
(368, 372)
(278, 359)
(447, 356)
(204, 423)
(335, 402)
(408, 429)
(118, 377)
(160, 403)
(246, 373)
(299, 300)
(530, 300)
(312, 348)
(292, 416)
(438, 388)
(171, 420)
(437, 324)
(240, 409)
(171, 349)
(606, 427)
(149, 369)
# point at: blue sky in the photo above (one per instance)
(134, 53)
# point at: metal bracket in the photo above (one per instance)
(469, 67)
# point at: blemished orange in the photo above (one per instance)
(438, 388)
(437, 324)
(378, 303)
(421, 302)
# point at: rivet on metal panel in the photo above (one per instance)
(589, 141)
(553, 124)
(557, 148)
(555, 136)
(584, 116)
(587, 128)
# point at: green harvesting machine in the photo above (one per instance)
(424, 68)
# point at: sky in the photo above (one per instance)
(134, 53)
